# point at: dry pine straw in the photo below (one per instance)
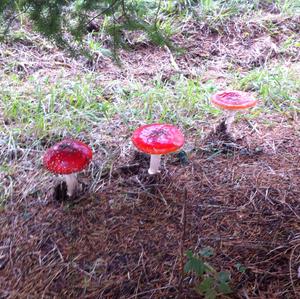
(124, 242)
(243, 43)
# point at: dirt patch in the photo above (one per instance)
(246, 43)
(124, 240)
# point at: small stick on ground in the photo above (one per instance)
(183, 222)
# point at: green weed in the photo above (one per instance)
(287, 6)
(182, 101)
(43, 107)
(210, 283)
(80, 105)
(277, 87)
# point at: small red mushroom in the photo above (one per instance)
(67, 158)
(233, 101)
(157, 140)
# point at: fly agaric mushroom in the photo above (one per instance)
(157, 140)
(67, 158)
(233, 101)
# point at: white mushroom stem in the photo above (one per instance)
(230, 119)
(71, 180)
(154, 164)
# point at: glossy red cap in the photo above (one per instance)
(158, 139)
(68, 156)
(233, 100)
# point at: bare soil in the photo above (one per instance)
(242, 44)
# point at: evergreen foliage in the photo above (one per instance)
(66, 22)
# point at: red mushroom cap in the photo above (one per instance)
(233, 100)
(158, 139)
(68, 156)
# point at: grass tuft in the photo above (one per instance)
(278, 87)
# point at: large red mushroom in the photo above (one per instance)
(67, 158)
(157, 140)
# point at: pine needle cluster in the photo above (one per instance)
(66, 22)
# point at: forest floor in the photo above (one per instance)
(127, 234)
